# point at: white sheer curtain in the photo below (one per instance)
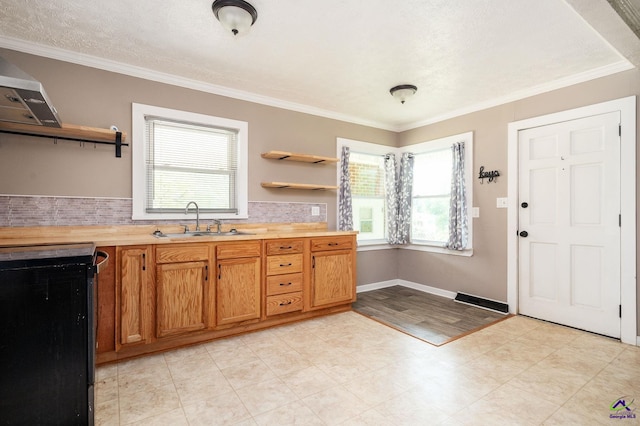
(345, 210)
(458, 222)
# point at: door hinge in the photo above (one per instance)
(619, 129)
(620, 221)
(620, 311)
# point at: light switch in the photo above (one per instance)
(475, 212)
(502, 203)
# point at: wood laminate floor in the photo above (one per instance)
(434, 319)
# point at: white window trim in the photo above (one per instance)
(439, 144)
(377, 149)
(366, 148)
(139, 148)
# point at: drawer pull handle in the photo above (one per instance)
(285, 247)
(285, 303)
(285, 284)
(283, 265)
(334, 244)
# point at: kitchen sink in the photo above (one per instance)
(194, 234)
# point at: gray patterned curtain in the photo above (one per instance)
(405, 186)
(391, 197)
(458, 224)
(345, 211)
(398, 198)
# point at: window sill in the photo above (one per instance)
(383, 245)
(435, 249)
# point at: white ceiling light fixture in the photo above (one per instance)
(403, 92)
(236, 16)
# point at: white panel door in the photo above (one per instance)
(569, 206)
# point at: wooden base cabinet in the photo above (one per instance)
(182, 286)
(175, 294)
(238, 284)
(333, 280)
(284, 276)
(133, 285)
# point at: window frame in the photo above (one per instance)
(370, 149)
(140, 149)
(437, 145)
(432, 145)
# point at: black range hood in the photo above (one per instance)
(23, 99)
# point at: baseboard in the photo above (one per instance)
(480, 302)
(376, 286)
(428, 289)
(409, 284)
(637, 340)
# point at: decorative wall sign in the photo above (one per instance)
(491, 176)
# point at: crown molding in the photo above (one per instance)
(160, 77)
(174, 80)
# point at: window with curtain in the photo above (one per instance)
(185, 157)
(431, 194)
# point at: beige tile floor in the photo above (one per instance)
(350, 370)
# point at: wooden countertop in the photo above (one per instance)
(126, 235)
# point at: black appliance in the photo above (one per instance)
(47, 334)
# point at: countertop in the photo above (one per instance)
(126, 235)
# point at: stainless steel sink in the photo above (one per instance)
(194, 234)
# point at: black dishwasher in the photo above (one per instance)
(47, 334)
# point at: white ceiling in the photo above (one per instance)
(337, 58)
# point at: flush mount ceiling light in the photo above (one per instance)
(236, 16)
(403, 92)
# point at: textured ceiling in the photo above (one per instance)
(336, 58)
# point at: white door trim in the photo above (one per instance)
(627, 108)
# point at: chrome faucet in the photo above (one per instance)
(218, 224)
(186, 211)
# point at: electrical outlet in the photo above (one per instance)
(502, 203)
(315, 211)
(475, 212)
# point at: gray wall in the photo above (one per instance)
(91, 97)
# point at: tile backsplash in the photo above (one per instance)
(19, 210)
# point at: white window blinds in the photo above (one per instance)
(190, 162)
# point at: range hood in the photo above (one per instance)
(23, 99)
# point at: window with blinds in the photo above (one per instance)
(187, 162)
(181, 156)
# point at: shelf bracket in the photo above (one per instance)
(118, 144)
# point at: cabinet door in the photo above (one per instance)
(181, 290)
(238, 290)
(332, 278)
(131, 304)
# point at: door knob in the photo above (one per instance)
(524, 234)
(525, 205)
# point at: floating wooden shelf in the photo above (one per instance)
(305, 158)
(297, 186)
(69, 132)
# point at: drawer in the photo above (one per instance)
(331, 243)
(235, 250)
(285, 264)
(278, 284)
(284, 247)
(181, 253)
(290, 302)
